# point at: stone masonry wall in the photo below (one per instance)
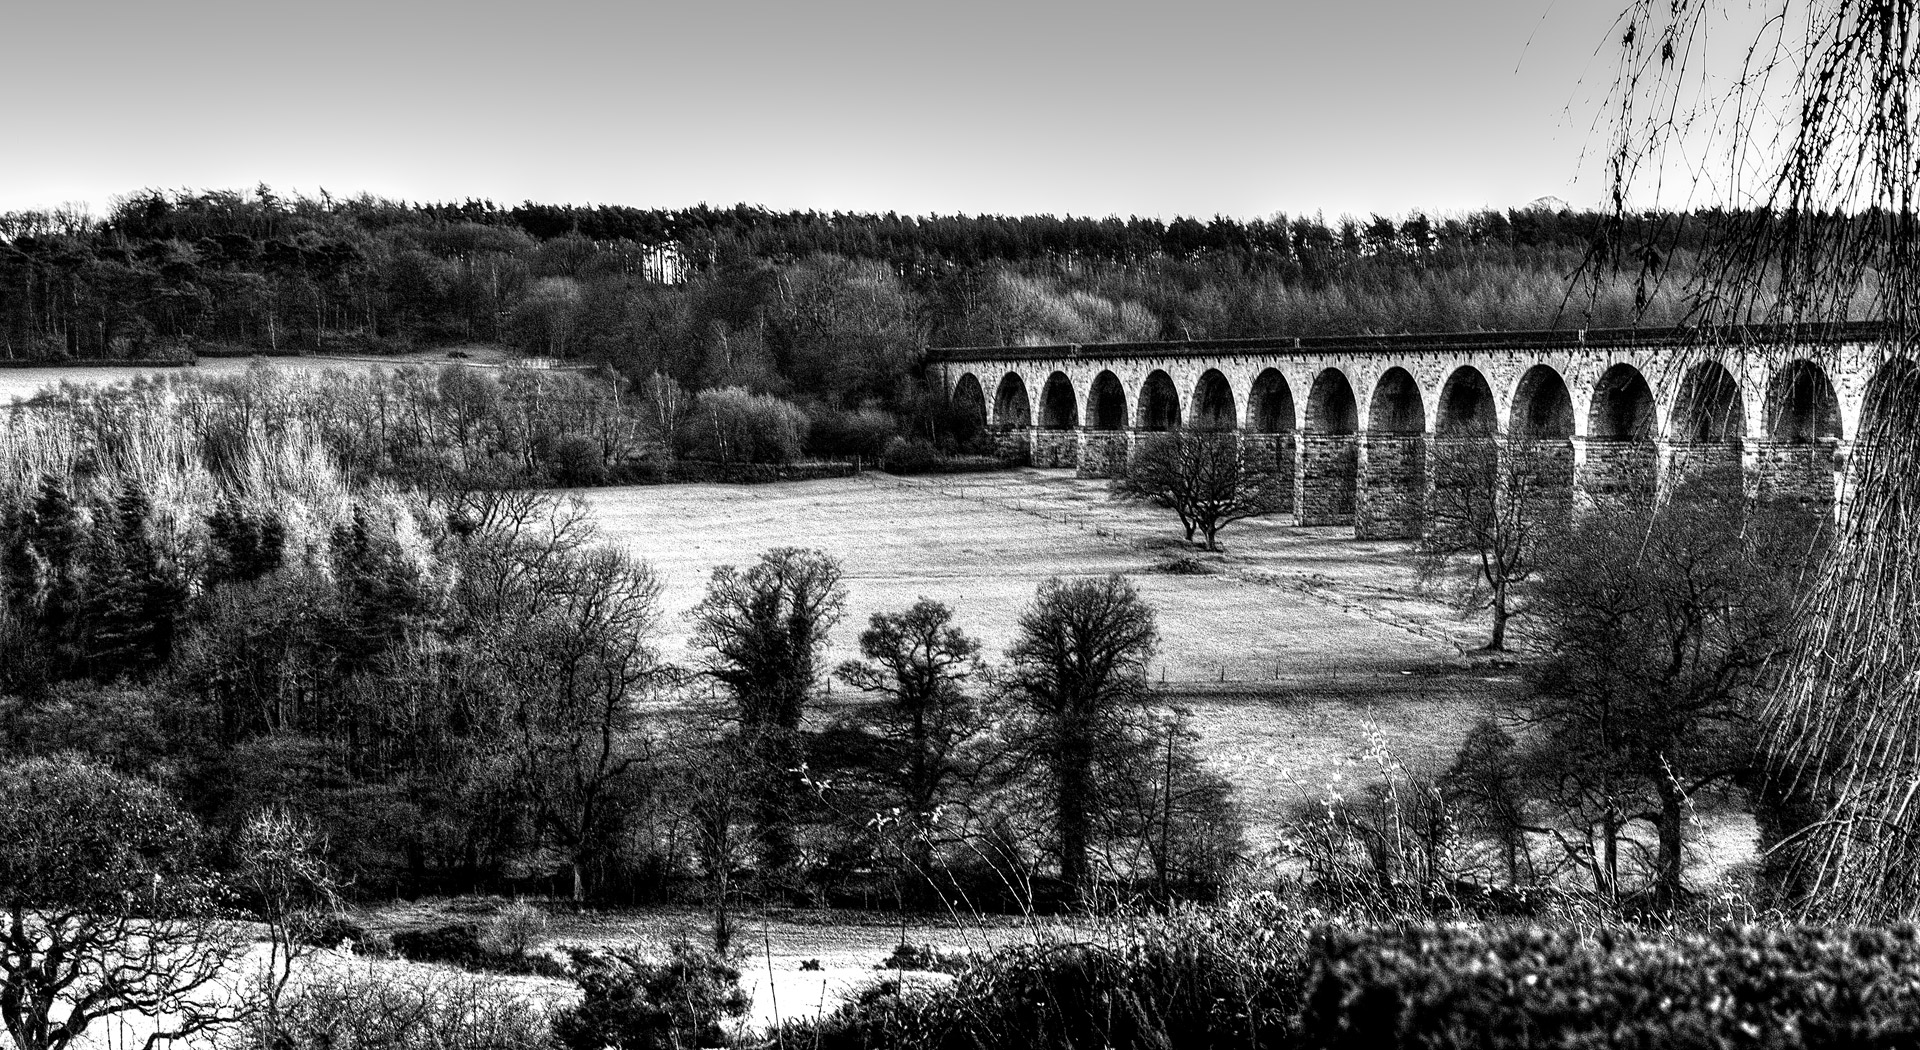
(1393, 488)
(1714, 463)
(1329, 467)
(1796, 472)
(1281, 452)
(1103, 453)
(1056, 448)
(1616, 470)
(1013, 444)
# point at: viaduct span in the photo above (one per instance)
(1356, 420)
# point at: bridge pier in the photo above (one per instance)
(1013, 444)
(1328, 479)
(1795, 472)
(1610, 470)
(1281, 451)
(1720, 465)
(1103, 453)
(1392, 487)
(1055, 447)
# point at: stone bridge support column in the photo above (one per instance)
(1103, 453)
(1329, 466)
(1055, 447)
(1792, 471)
(1278, 450)
(1014, 444)
(1613, 471)
(1391, 502)
(1720, 464)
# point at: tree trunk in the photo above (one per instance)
(1076, 820)
(1671, 834)
(1498, 643)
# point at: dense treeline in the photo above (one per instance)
(829, 307)
(262, 601)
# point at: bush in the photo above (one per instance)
(326, 930)
(1197, 978)
(475, 947)
(630, 1002)
(1511, 987)
(731, 425)
(383, 1008)
(516, 930)
(909, 456)
(867, 433)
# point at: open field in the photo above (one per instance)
(1286, 654)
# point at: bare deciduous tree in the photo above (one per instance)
(1209, 478)
(1496, 507)
(108, 910)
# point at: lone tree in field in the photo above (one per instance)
(1079, 670)
(920, 664)
(1207, 477)
(109, 911)
(762, 632)
(1495, 509)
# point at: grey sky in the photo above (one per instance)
(987, 106)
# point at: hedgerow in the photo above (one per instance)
(1493, 987)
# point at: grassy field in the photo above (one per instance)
(1294, 654)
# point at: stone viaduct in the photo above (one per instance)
(1356, 420)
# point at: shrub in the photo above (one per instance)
(326, 930)
(630, 1002)
(515, 931)
(1201, 978)
(866, 433)
(731, 425)
(368, 1007)
(457, 943)
(1512, 987)
(925, 957)
(909, 456)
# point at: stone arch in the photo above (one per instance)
(1802, 407)
(1011, 405)
(1891, 399)
(1270, 408)
(1623, 407)
(1801, 421)
(1396, 406)
(1467, 406)
(1059, 409)
(1542, 405)
(1393, 472)
(1159, 402)
(1621, 459)
(1708, 408)
(969, 403)
(1331, 408)
(1107, 403)
(1329, 452)
(1540, 430)
(1707, 426)
(1270, 423)
(1213, 406)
